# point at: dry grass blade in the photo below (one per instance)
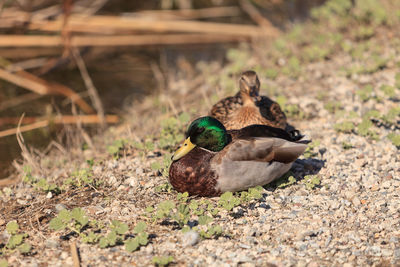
(118, 40)
(41, 123)
(102, 23)
(89, 84)
(21, 142)
(24, 82)
(200, 13)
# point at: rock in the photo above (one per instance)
(396, 253)
(190, 238)
(59, 207)
(49, 195)
(52, 243)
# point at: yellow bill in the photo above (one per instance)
(183, 150)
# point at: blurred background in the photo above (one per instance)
(70, 64)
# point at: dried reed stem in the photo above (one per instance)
(100, 23)
(256, 16)
(89, 84)
(41, 123)
(117, 40)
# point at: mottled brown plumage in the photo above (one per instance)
(247, 107)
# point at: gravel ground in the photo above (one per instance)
(349, 217)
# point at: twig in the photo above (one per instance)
(100, 23)
(23, 82)
(89, 84)
(27, 64)
(118, 40)
(201, 13)
(74, 254)
(85, 119)
(31, 82)
(256, 16)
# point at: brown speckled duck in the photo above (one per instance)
(247, 107)
(213, 160)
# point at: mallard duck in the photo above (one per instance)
(213, 160)
(247, 107)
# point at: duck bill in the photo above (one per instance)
(183, 150)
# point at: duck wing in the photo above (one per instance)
(264, 149)
(265, 131)
(271, 111)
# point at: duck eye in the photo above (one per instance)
(185, 144)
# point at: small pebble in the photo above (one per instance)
(190, 238)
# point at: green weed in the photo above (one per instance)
(228, 201)
(311, 150)
(344, 127)
(16, 240)
(395, 138)
(286, 180)
(162, 260)
(311, 181)
(347, 146)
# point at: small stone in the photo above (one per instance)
(59, 207)
(244, 246)
(396, 253)
(22, 202)
(356, 202)
(2, 221)
(52, 243)
(387, 252)
(49, 195)
(190, 238)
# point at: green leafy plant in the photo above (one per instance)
(364, 129)
(82, 178)
(388, 90)
(182, 214)
(204, 219)
(395, 138)
(141, 238)
(390, 117)
(286, 180)
(211, 232)
(311, 150)
(3, 263)
(43, 185)
(162, 260)
(332, 106)
(311, 181)
(228, 201)
(251, 193)
(164, 209)
(347, 146)
(165, 187)
(116, 147)
(74, 220)
(365, 93)
(171, 133)
(344, 127)
(16, 240)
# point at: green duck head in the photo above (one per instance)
(206, 132)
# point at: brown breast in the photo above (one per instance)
(193, 174)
